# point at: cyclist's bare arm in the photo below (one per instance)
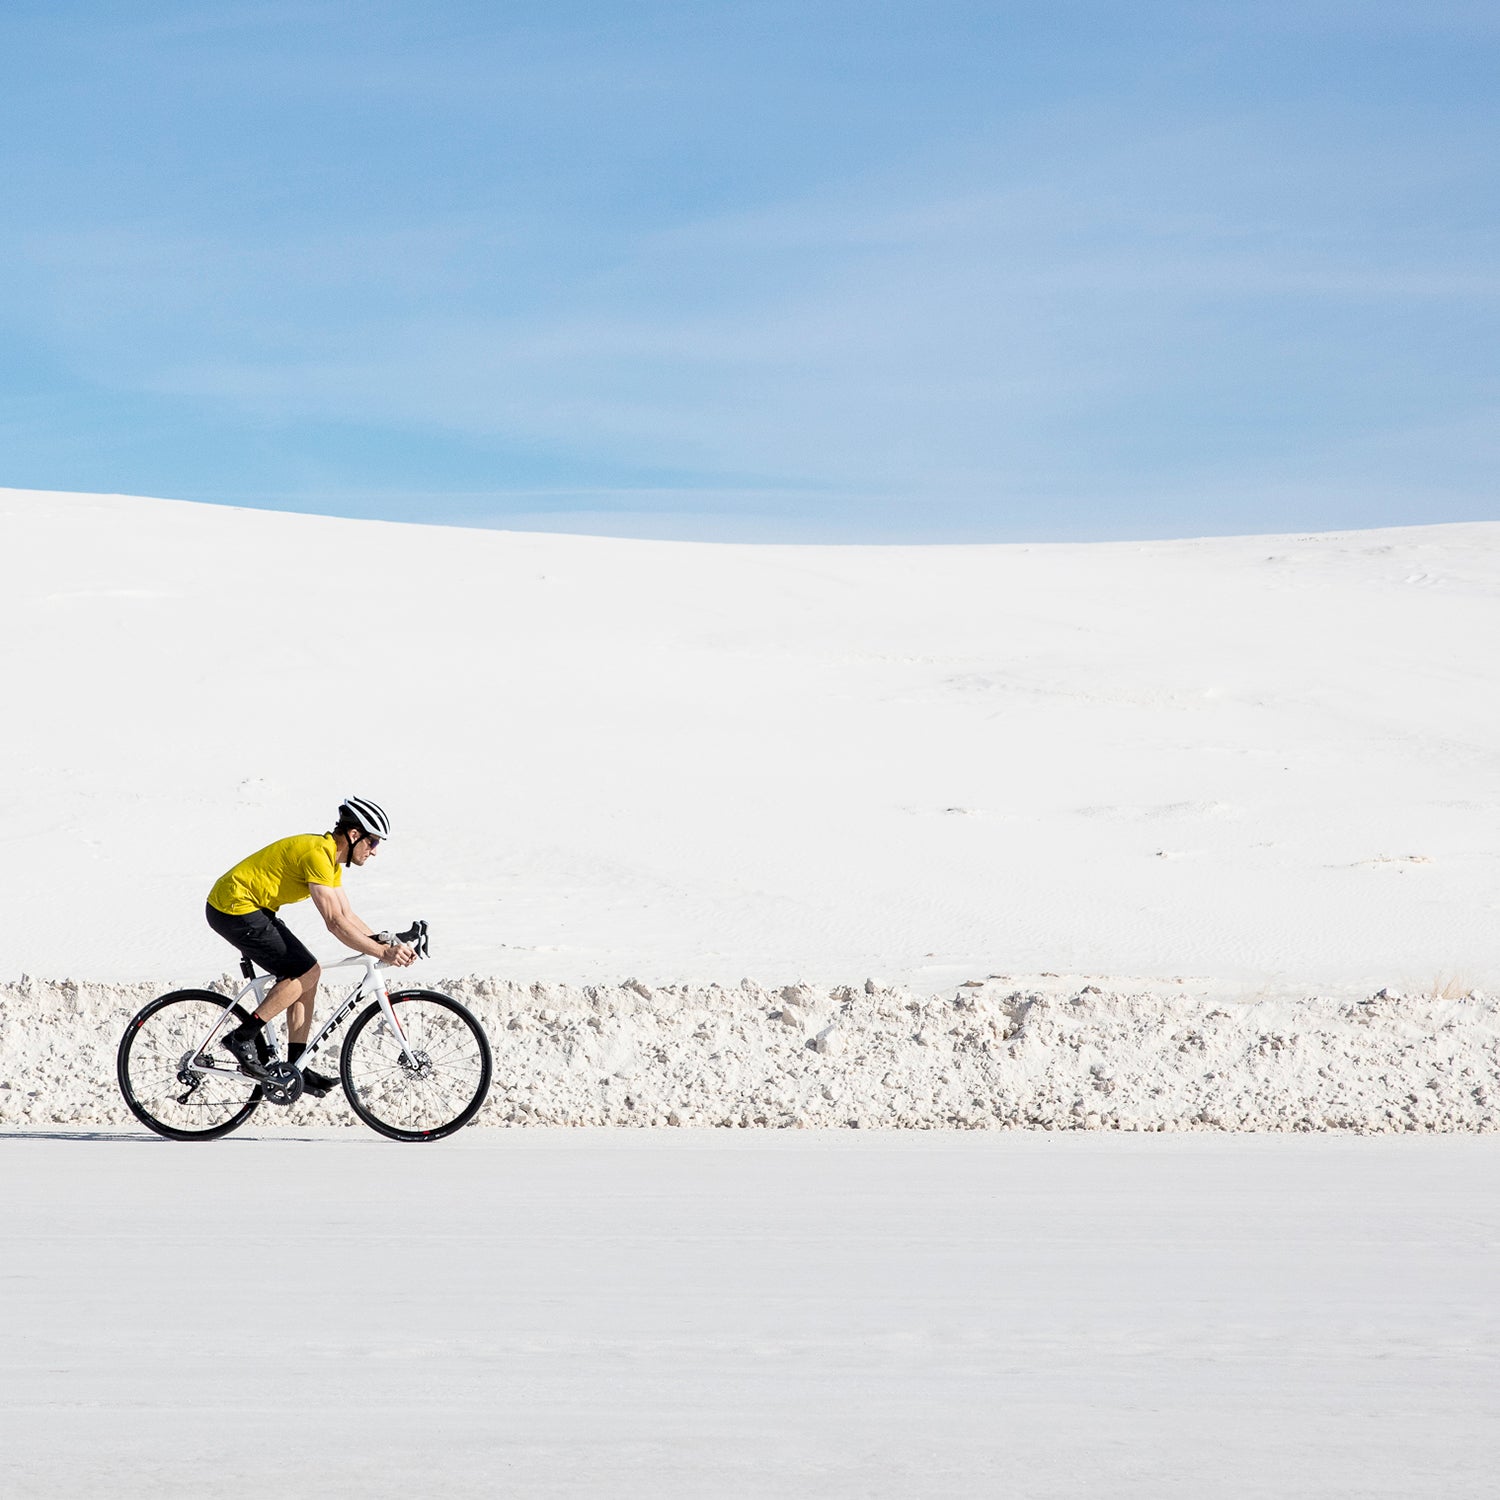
(353, 931)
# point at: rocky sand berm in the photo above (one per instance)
(986, 1055)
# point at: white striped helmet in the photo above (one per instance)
(369, 815)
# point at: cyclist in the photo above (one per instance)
(242, 909)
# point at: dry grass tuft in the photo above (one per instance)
(1453, 986)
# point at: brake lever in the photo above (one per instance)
(415, 936)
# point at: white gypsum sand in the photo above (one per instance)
(981, 1057)
(1126, 835)
(1266, 765)
(751, 1314)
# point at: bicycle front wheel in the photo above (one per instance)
(431, 1087)
(158, 1076)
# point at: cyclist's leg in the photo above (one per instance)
(265, 939)
(295, 997)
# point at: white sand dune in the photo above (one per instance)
(1263, 765)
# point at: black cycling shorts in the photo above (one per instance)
(265, 940)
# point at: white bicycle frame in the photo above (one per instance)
(371, 985)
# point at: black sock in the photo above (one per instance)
(248, 1028)
(294, 1050)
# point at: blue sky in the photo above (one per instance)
(807, 271)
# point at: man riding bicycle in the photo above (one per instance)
(242, 909)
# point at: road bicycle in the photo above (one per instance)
(415, 1065)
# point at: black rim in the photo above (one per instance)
(446, 1089)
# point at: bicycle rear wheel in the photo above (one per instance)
(434, 1092)
(154, 1065)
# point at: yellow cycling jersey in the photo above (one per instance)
(277, 875)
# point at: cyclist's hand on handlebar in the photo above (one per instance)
(399, 955)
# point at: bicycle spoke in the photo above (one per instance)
(424, 1078)
(158, 1079)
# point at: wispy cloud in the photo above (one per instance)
(1092, 291)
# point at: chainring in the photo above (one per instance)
(281, 1083)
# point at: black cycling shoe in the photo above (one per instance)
(248, 1051)
(316, 1085)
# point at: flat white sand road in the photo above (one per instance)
(725, 1314)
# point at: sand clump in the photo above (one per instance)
(984, 1056)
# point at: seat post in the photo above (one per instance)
(247, 968)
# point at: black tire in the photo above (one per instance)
(159, 1041)
(407, 1105)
